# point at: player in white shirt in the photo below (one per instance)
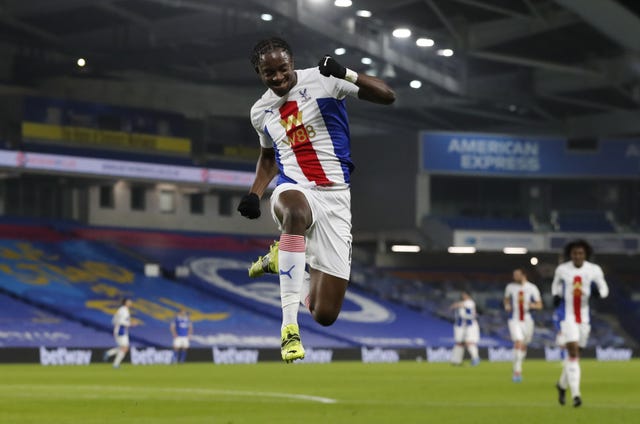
(573, 284)
(466, 331)
(121, 322)
(520, 297)
(303, 128)
(181, 330)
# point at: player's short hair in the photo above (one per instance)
(268, 45)
(125, 300)
(580, 243)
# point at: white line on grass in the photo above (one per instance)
(83, 389)
(485, 404)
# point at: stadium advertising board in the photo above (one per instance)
(604, 243)
(235, 356)
(100, 125)
(151, 356)
(44, 162)
(48, 356)
(497, 240)
(514, 155)
(64, 356)
(536, 242)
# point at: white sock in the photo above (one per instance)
(573, 376)
(119, 358)
(518, 357)
(291, 262)
(473, 351)
(112, 351)
(517, 368)
(305, 289)
(563, 382)
(457, 355)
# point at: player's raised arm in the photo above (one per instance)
(372, 89)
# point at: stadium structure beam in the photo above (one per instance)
(535, 63)
(609, 17)
(14, 22)
(21, 7)
(494, 8)
(533, 9)
(491, 33)
(123, 13)
(445, 21)
(376, 47)
(491, 115)
(615, 123)
(542, 112)
(393, 5)
(409, 98)
(617, 71)
(577, 102)
(432, 116)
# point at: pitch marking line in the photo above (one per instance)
(239, 393)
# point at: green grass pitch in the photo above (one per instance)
(344, 392)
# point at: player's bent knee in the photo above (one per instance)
(325, 316)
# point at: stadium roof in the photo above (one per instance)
(544, 66)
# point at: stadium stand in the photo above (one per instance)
(24, 325)
(74, 276)
(583, 221)
(80, 273)
(484, 223)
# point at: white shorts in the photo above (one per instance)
(571, 331)
(122, 341)
(328, 239)
(466, 333)
(181, 342)
(521, 331)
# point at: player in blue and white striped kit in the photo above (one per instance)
(466, 330)
(121, 322)
(181, 330)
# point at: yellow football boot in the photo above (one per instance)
(291, 347)
(267, 264)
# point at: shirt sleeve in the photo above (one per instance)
(116, 318)
(469, 309)
(506, 292)
(339, 88)
(535, 296)
(556, 285)
(600, 282)
(263, 137)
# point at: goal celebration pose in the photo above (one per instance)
(302, 125)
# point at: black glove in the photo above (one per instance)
(557, 300)
(329, 67)
(250, 206)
